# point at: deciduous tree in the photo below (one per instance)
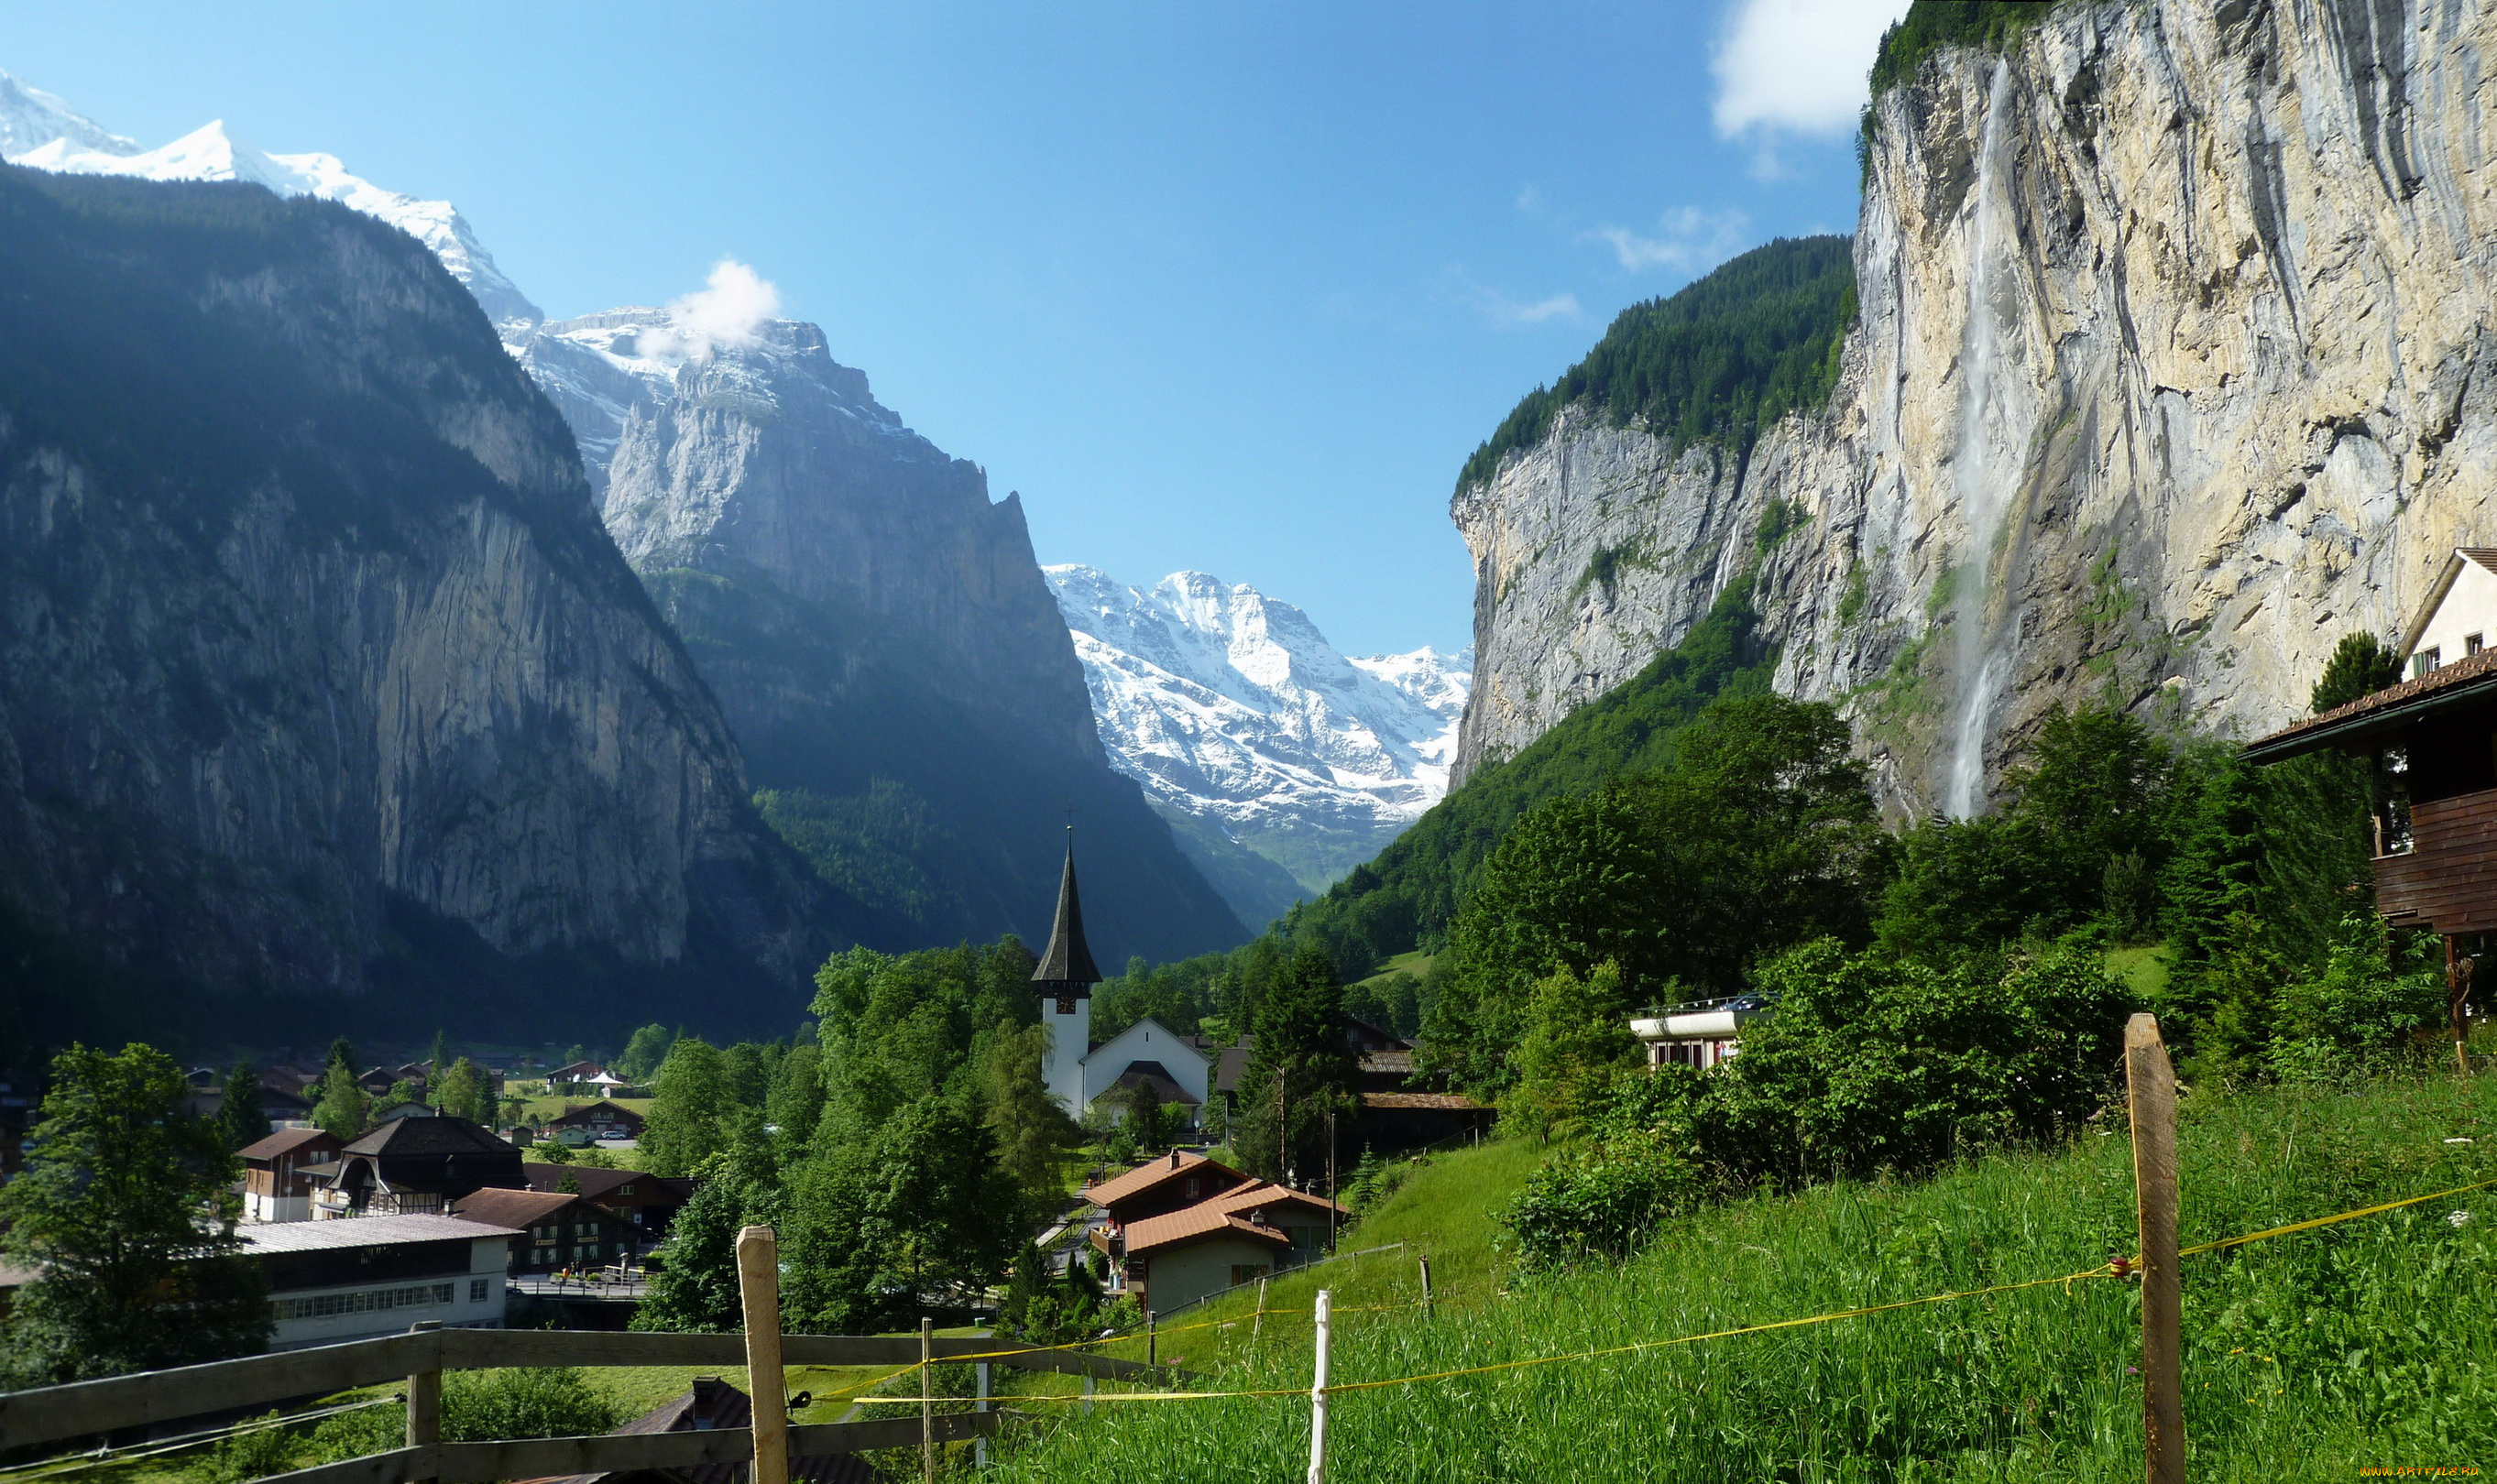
(126, 1211)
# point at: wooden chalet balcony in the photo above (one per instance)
(2447, 880)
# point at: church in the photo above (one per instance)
(1079, 1073)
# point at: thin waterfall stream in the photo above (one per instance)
(1981, 666)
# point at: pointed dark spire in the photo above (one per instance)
(1068, 962)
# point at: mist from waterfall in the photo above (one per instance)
(1983, 498)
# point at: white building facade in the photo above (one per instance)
(337, 1280)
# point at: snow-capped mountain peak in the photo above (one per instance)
(77, 146)
(30, 118)
(1231, 707)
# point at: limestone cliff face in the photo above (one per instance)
(2174, 364)
(876, 628)
(315, 664)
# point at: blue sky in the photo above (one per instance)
(1227, 287)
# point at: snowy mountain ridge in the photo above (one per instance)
(42, 132)
(1235, 712)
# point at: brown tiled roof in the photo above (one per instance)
(1444, 1102)
(285, 1141)
(1147, 1175)
(1264, 1195)
(594, 1182)
(1397, 1061)
(586, 1114)
(497, 1207)
(1195, 1224)
(2472, 672)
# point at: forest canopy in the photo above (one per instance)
(1718, 360)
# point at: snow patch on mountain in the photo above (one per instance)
(1234, 709)
(39, 131)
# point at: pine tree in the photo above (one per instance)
(125, 1206)
(440, 1057)
(242, 1117)
(1301, 1070)
(464, 1091)
(2361, 665)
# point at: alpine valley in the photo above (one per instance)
(392, 729)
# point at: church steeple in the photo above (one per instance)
(1067, 971)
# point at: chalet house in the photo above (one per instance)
(2432, 740)
(649, 1203)
(396, 1111)
(414, 1165)
(561, 1229)
(1698, 1033)
(1181, 1226)
(583, 1074)
(276, 1173)
(1176, 1259)
(601, 1120)
(1397, 1108)
(337, 1280)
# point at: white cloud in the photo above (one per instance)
(1797, 65)
(728, 315)
(1503, 310)
(1687, 238)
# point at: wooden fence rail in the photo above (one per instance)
(85, 1408)
(537, 1458)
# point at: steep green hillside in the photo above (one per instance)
(1404, 899)
(1721, 359)
(2306, 1357)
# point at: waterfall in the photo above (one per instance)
(1983, 497)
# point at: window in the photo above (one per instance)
(324, 1305)
(2472, 644)
(2425, 661)
(476, 1290)
(625, 1190)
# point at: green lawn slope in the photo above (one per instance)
(2308, 1357)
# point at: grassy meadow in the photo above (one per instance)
(2372, 1342)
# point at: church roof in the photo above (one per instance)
(1068, 960)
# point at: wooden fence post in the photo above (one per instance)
(425, 1409)
(2150, 1085)
(2459, 972)
(1257, 1320)
(980, 1444)
(1153, 1337)
(1318, 1392)
(927, 1408)
(1426, 1310)
(758, 1283)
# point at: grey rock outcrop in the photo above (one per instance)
(2198, 353)
(876, 628)
(315, 658)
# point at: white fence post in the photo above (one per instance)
(980, 1444)
(1318, 1392)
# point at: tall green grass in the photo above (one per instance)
(2370, 1342)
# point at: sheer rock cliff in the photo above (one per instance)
(2158, 386)
(317, 671)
